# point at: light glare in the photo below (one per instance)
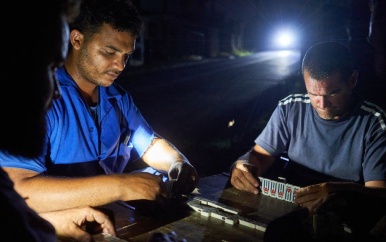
(285, 39)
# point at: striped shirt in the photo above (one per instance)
(352, 148)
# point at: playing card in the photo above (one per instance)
(288, 192)
(265, 186)
(280, 190)
(272, 188)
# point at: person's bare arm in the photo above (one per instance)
(376, 184)
(249, 167)
(163, 156)
(308, 195)
(47, 193)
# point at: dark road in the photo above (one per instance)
(213, 110)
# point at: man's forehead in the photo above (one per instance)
(326, 85)
(334, 79)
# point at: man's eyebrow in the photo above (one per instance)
(118, 50)
(329, 93)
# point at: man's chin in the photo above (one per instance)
(329, 116)
(326, 115)
(106, 83)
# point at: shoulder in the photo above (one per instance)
(374, 112)
(63, 77)
(294, 99)
(293, 107)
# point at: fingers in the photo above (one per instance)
(72, 223)
(306, 196)
(244, 180)
(93, 220)
(103, 220)
(147, 186)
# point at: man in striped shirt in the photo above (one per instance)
(330, 131)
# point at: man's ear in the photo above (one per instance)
(353, 79)
(76, 39)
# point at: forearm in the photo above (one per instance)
(378, 192)
(43, 193)
(257, 157)
(162, 154)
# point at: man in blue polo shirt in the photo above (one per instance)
(95, 131)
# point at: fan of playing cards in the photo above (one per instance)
(278, 189)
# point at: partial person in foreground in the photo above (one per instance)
(330, 133)
(23, 123)
(95, 132)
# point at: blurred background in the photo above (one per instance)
(207, 74)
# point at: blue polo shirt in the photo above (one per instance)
(76, 145)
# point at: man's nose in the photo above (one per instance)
(323, 102)
(120, 62)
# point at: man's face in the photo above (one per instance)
(102, 57)
(330, 97)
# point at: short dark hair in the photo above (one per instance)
(120, 14)
(326, 58)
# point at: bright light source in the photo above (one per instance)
(285, 39)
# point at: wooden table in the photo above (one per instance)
(175, 215)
